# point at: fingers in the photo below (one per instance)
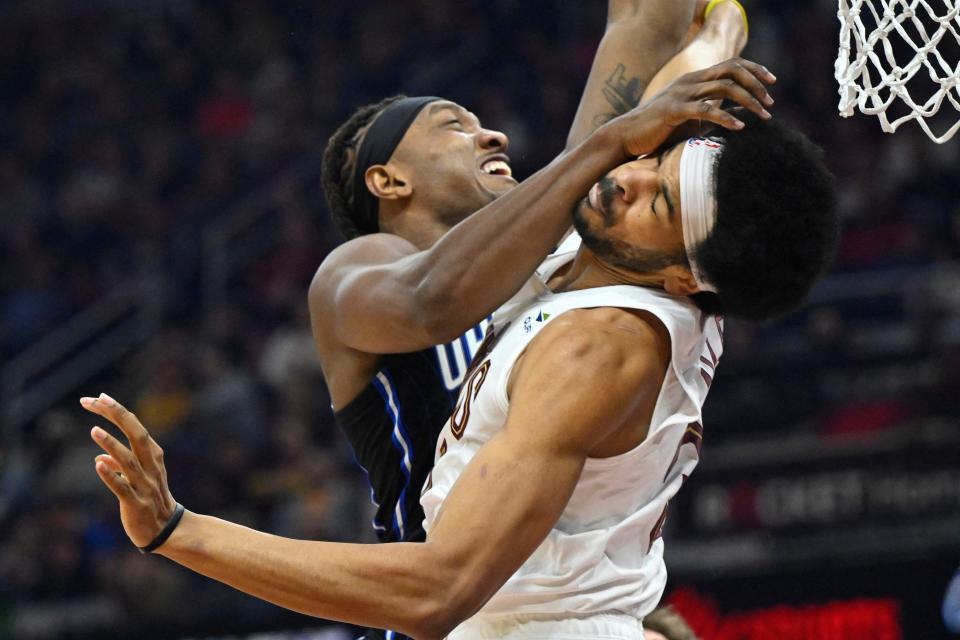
(711, 113)
(136, 433)
(112, 464)
(749, 75)
(729, 89)
(117, 483)
(755, 69)
(135, 475)
(120, 455)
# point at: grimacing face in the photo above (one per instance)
(454, 165)
(632, 217)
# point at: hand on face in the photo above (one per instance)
(136, 475)
(691, 99)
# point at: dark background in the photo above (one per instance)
(161, 218)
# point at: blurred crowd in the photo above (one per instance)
(126, 129)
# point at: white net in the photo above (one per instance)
(886, 45)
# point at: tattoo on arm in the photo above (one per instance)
(621, 93)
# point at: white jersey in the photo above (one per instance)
(605, 553)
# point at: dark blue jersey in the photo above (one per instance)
(393, 424)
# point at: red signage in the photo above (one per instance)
(859, 619)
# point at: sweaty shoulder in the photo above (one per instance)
(376, 249)
(352, 268)
(605, 364)
(631, 323)
(604, 336)
(338, 311)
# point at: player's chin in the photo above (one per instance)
(497, 184)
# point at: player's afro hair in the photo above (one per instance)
(777, 227)
(336, 173)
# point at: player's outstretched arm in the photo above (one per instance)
(378, 294)
(640, 37)
(722, 35)
(502, 507)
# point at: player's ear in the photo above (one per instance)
(679, 281)
(386, 182)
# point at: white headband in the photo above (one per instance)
(697, 189)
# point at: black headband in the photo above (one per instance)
(378, 145)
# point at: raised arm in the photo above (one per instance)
(640, 37)
(499, 511)
(722, 35)
(378, 294)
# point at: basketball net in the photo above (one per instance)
(873, 35)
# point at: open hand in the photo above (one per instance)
(694, 98)
(136, 475)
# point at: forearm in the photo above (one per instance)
(641, 36)
(383, 586)
(619, 10)
(486, 258)
(722, 37)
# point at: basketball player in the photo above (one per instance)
(581, 415)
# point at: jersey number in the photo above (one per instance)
(461, 414)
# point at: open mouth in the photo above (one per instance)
(496, 167)
(601, 197)
(595, 200)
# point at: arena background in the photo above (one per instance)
(160, 219)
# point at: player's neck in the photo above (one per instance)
(588, 271)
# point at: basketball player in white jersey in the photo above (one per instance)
(593, 384)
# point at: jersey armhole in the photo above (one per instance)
(502, 396)
(674, 332)
(661, 315)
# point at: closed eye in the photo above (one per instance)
(653, 203)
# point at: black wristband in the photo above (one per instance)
(165, 532)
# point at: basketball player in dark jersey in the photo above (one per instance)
(397, 312)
